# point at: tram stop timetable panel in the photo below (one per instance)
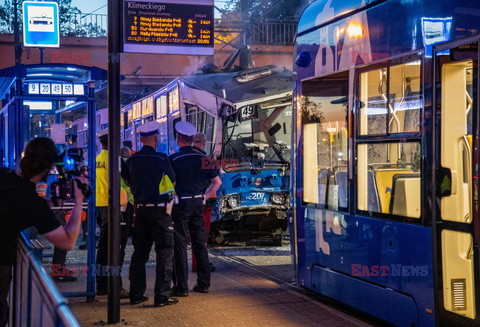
(169, 27)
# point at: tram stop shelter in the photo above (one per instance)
(56, 101)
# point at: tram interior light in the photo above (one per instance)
(39, 105)
(355, 30)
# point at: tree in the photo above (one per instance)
(311, 111)
(262, 10)
(70, 19)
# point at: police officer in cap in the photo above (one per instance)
(192, 180)
(151, 179)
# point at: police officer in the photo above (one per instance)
(150, 177)
(187, 214)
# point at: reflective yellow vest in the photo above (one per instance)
(101, 180)
(166, 185)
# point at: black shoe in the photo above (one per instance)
(212, 267)
(124, 294)
(200, 289)
(139, 300)
(179, 293)
(169, 301)
(64, 279)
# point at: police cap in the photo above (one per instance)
(185, 128)
(148, 129)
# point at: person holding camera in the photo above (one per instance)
(21, 208)
(101, 202)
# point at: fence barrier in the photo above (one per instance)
(34, 299)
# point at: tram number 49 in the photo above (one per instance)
(248, 111)
(256, 196)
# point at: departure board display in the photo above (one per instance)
(169, 26)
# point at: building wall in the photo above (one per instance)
(138, 69)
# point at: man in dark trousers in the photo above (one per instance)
(21, 208)
(192, 180)
(151, 179)
(101, 203)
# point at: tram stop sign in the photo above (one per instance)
(41, 24)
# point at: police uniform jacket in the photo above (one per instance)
(146, 171)
(192, 170)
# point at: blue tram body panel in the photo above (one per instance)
(254, 188)
(248, 183)
(380, 266)
(347, 257)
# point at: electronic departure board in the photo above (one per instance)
(169, 26)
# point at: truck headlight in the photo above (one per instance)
(278, 198)
(233, 201)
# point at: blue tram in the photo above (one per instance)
(386, 151)
(246, 118)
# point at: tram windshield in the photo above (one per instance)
(258, 136)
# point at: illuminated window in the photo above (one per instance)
(324, 111)
(390, 99)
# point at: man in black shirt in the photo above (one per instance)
(21, 208)
(192, 179)
(151, 178)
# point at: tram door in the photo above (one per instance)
(457, 178)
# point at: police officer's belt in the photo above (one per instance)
(154, 205)
(191, 197)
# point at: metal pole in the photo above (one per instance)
(16, 35)
(92, 217)
(245, 55)
(114, 48)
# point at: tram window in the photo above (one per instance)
(391, 99)
(209, 133)
(389, 178)
(163, 135)
(173, 102)
(325, 141)
(161, 106)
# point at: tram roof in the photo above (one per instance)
(228, 86)
(311, 18)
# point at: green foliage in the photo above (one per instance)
(72, 22)
(311, 112)
(263, 10)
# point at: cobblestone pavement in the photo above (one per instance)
(249, 288)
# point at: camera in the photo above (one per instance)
(69, 167)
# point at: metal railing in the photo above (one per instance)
(84, 25)
(34, 299)
(275, 33)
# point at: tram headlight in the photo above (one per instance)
(233, 201)
(278, 198)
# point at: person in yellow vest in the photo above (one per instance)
(101, 202)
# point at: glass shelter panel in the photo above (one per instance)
(324, 112)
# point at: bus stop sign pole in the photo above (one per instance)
(114, 49)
